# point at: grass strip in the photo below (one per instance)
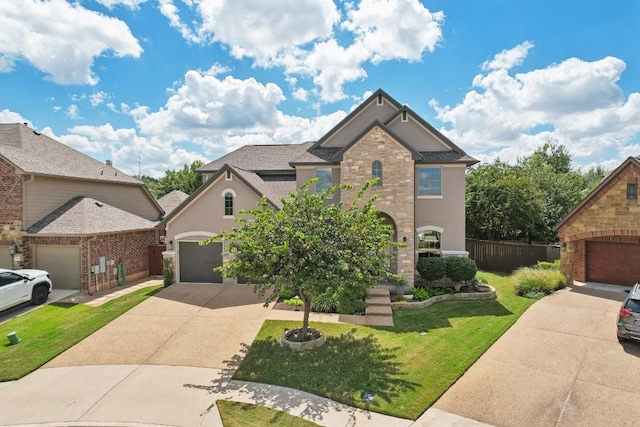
(53, 328)
(408, 367)
(236, 414)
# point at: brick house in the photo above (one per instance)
(421, 192)
(68, 213)
(600, 238)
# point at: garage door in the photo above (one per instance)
(62, 263)
(197, 262)
(616, 263)
(5, 258)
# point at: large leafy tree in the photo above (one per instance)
(185, 179)
(525, 201)
(310, 246)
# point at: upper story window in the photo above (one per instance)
(324, 179)
(228, 204)
(376, 172)
(429, 181)
(632, 191)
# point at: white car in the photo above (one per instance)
(18, 286)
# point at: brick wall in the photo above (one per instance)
(395, 196)
(606, 216)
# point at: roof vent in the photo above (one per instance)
(99, 204)
(108, 162)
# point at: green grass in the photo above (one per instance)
(408, 366)
(51, 329)
(235, 414)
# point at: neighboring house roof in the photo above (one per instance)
(38, 154)
(597, 192)
(260, 158)
(272, 187)
(84, 215)
(172, 200)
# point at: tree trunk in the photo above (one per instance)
(305, 319)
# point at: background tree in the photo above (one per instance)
(309, 246)
(185, 179)
(151, 184)
(526, 200)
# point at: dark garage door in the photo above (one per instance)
(197, 262)
(616, 263)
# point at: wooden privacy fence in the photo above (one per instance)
(506, 257)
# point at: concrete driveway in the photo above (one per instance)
(559, 365)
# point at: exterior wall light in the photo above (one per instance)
(13, 248)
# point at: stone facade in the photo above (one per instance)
(10, 204)
(395, 195)
(607, 216)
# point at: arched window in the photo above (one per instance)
(376, 172)
(429, 242)
(228, 204)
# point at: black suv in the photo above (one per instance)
(629, 316)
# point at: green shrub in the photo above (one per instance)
(533, 282)
(351, 300)
(420, 294)
(325, 303)
(286, 294)
(555, 265)
(460, 270)
(295, 301)
(432, 268)
(167, 272)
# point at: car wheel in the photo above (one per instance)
(39, 295)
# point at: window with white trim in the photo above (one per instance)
(228, 204)
(429, 243)
(429, 181)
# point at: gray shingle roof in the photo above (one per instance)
(38, 154)
(260, 158)
(447, 157)
(172, 200)
(84, 215)
(270, 187)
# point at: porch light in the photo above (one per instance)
(13, 248)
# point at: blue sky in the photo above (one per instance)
(155, 84)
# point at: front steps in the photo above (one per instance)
(378, 311)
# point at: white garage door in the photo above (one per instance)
(62, 263)
(5, 258)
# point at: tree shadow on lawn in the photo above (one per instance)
(437, 316)
(342, 370)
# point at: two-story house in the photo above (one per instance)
(69, 214)
(421, 187)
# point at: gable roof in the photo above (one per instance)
(415, 155)
(37, 154)
(355, 112)
(272, 187)
(597, 192)
(84, 215)
(260, 158)
(172, 200)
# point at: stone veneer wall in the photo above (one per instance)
(607, 216)
(10, 204)
(395, 196)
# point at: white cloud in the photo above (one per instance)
(72, 112)
(131, 4)
(395, 29)
(60, 39)
(308, 39)
(98, 98)
(509, 58)
(8, 116)
(574, 103)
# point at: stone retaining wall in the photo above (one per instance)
(463, 296)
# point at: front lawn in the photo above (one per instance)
(236, 414)
(408, 367)
(51, 329)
